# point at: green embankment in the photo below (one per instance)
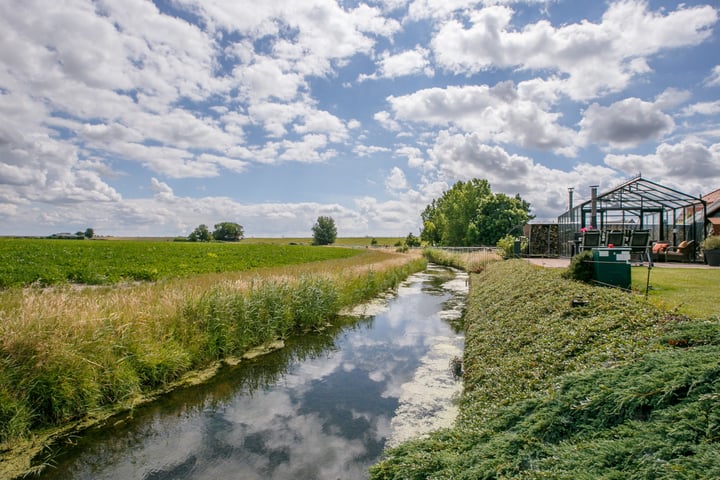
(569, 381)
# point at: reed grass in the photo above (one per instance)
(470, 260)
(67, 351)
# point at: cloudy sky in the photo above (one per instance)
(139, 117)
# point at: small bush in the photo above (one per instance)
(581, 267)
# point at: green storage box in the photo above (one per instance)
(611, 266)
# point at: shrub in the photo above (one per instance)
(711, 243)
(581, 267)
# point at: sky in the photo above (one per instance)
(149, 118)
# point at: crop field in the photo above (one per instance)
(340, 241)
(44, 262)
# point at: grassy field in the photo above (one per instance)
(687, 291)
(607, 387)
(45, 262)
(341, 241)
(71, 353)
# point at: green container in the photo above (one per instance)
(611, 266)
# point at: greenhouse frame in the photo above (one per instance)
(638, 204)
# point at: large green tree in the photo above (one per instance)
(324, 231)
(200, 234)
(228, 231)
(470, 214)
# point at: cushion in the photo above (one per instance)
(683, 244)
(660, 247)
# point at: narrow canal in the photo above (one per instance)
(324, 407)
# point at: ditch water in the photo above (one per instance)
(323, 407)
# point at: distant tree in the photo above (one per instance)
(79, 234)
(200, 234)
(374, 241)
(412, 241)
(470, 214)
(228, 231)
(89, 233)
(324, 231)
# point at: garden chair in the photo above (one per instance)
(684, 252)
(616, 238)
(590, 239)
(639, 244)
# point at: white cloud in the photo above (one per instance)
(689, 164)
(596, 57)
(408, 62)
(714, 79)
(702, 108)
(626, 123)
(396, 180)
(496, 114)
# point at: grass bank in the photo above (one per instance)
(69, 354)
(570, 381)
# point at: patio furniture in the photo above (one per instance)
(639, 244)
(657, 252)
(590, 239)
(684, 252)
(616, 238)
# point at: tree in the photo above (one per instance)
(470, 214)
(200, 234)
(412, 241)
(228, 231)
(89, 233)
(324, 231)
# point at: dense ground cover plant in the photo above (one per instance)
(610, 387)
(48, 262)
(66, 353)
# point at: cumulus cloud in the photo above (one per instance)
(396, 180)
(702, 108)
(595, 58)
(409, 62)
(498, 114)
(626, 123)
(687, 163)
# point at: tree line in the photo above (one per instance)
(324, 232)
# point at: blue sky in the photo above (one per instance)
(145, 118)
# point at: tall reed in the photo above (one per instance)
(468, 259)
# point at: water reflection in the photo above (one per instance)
(324, 407)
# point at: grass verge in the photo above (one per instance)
(68, 354)
(570, 381)
(686, 291)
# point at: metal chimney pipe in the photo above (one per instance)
(593, 206)
(570, 204)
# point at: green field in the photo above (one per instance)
(47, 262)
(341, 242)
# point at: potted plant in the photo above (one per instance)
(711, 250)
